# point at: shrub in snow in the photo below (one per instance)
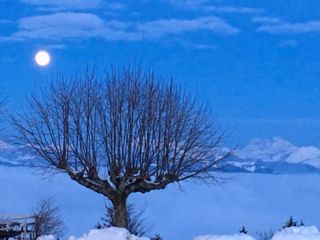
(112, 233)
(298, 233)
(136, 221)
(156, 237)
(243, 230)
(267, 235)
(225, 237)
(293, 223)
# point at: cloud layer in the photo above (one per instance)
(283, 27)
(77, 4)
(111, 21)
(86, 25)
(206, 6)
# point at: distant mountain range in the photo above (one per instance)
(272, 156)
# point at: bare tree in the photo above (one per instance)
(125, 132)
(267, 235)
(47, 220)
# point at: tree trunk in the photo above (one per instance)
(120, 212)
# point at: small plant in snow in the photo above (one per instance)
(267, 235)
(136, 221)
(243, 230)
(156, 237)
(292, 223)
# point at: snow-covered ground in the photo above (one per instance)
(112, 233)
(298, 233)
(109, 234)
(257, 201)
(293, 233)
(225, 237)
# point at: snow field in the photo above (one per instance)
(293, 233)
(298, 233)
(113, 233)
(225, 237)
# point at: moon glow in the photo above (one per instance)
(42, 58)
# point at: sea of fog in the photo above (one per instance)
(257, 201)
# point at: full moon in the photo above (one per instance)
(42, 58)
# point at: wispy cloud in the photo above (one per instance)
(59, 25)
(72, 25)
(204, 46)
(70, 19)
(204, 5)
(75, 4)
(116, 6)
(161, 28)
(266, 19)
(288, 43)
(188, 3)
(233, 9)
(284, 27)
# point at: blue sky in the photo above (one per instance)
(257, 63)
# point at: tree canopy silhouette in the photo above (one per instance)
(126, 131)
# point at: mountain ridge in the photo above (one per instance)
(266, 156)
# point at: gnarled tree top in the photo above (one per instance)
(126, 131)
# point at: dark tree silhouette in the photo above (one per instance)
(156, 237)
(124, 132)
(292, 223)
(267, 235)
(47, 220)
(243, 230)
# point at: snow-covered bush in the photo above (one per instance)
(298, 233)
(225, 237)
(136, 221)
(112, 233)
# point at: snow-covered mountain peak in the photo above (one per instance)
(275, 155)
(307, 155)
(270, 150)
